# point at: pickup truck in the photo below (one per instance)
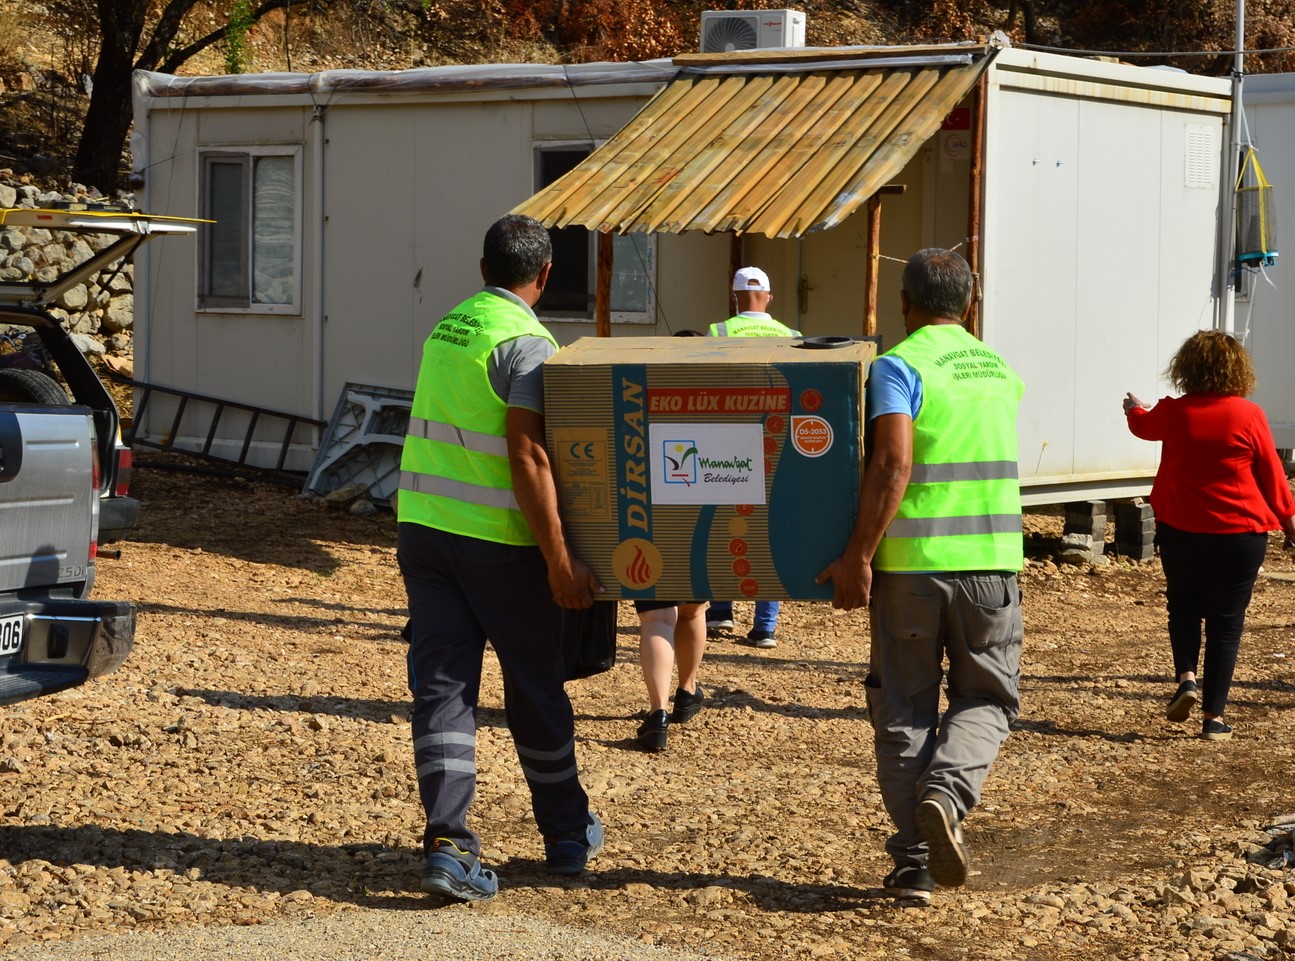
(63, 472)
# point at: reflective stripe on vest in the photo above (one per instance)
(954, 526)
(454, 469)
(976, 470)
(961, 509)
(460, 436)
(495, 497)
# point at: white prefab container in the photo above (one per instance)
(1262, 314)
(1086, 193)
(350, 207)
(1100, 229)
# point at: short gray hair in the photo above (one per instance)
(938, 282)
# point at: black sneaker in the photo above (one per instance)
(653, 731)
(948, 859)
(1181, 704)
(687, 705)
(453, 874)
(910, 884)
(720, 627)
(762, 639)
(1215, 729)
(569, 853)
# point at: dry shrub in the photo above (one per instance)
(524, 21)
(1270, 25)
(588, 30)
(953, 21)
(13, 37)
(621, 30)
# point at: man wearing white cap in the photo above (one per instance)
(753, 295)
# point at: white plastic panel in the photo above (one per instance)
(1098, 263)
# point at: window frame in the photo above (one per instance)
(246, 156)
(645, 317)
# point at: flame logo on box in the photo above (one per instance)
(637, 563)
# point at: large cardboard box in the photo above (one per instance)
(707, 468)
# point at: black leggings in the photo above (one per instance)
(1208, 577)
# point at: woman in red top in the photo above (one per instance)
(1218, 492)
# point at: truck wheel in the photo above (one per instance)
(18, 385)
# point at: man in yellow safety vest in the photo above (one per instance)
(934, 554)
(483, 556)
(752, 295)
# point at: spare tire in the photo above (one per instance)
(21, 386)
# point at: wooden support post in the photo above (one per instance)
(873, 255)
(973, 319)
(734, 265)
(603, 289)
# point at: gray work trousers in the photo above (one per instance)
(917, 620)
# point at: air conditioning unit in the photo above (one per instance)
(723, 31)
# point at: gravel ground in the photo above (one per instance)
(469, 935)
(242, 787)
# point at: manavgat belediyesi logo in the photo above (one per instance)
(707, 463)
(680, 461)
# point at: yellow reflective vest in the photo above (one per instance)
(454, 471)
(961, 510)
(740, 326)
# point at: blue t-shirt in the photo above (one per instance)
(893, 388)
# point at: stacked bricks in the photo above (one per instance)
(1135, 530)
(1085, 529)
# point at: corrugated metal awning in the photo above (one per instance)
(781, 148)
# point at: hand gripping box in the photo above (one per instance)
(700, 468)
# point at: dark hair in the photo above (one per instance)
(1212, 362)
(938, 283)
(515, 250)
(688, 332)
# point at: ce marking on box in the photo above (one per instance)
(583, 450)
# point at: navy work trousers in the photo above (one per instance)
(462, 592)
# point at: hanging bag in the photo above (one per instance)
(589, 640)
(1256, 224)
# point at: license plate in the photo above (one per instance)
(11, 634)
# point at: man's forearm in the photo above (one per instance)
(880, 494)
(885, 478)
(538, 499)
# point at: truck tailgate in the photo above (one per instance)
(48, 503)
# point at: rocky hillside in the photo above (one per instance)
(49, 48)
(47, 55)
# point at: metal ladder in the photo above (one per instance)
(258, 416)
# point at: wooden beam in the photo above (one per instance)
(826, 55)
(873, 255)
(603, 290)
(974, 213)
(734, 264)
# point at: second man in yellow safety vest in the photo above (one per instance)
(752, 294)
(934, 555)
